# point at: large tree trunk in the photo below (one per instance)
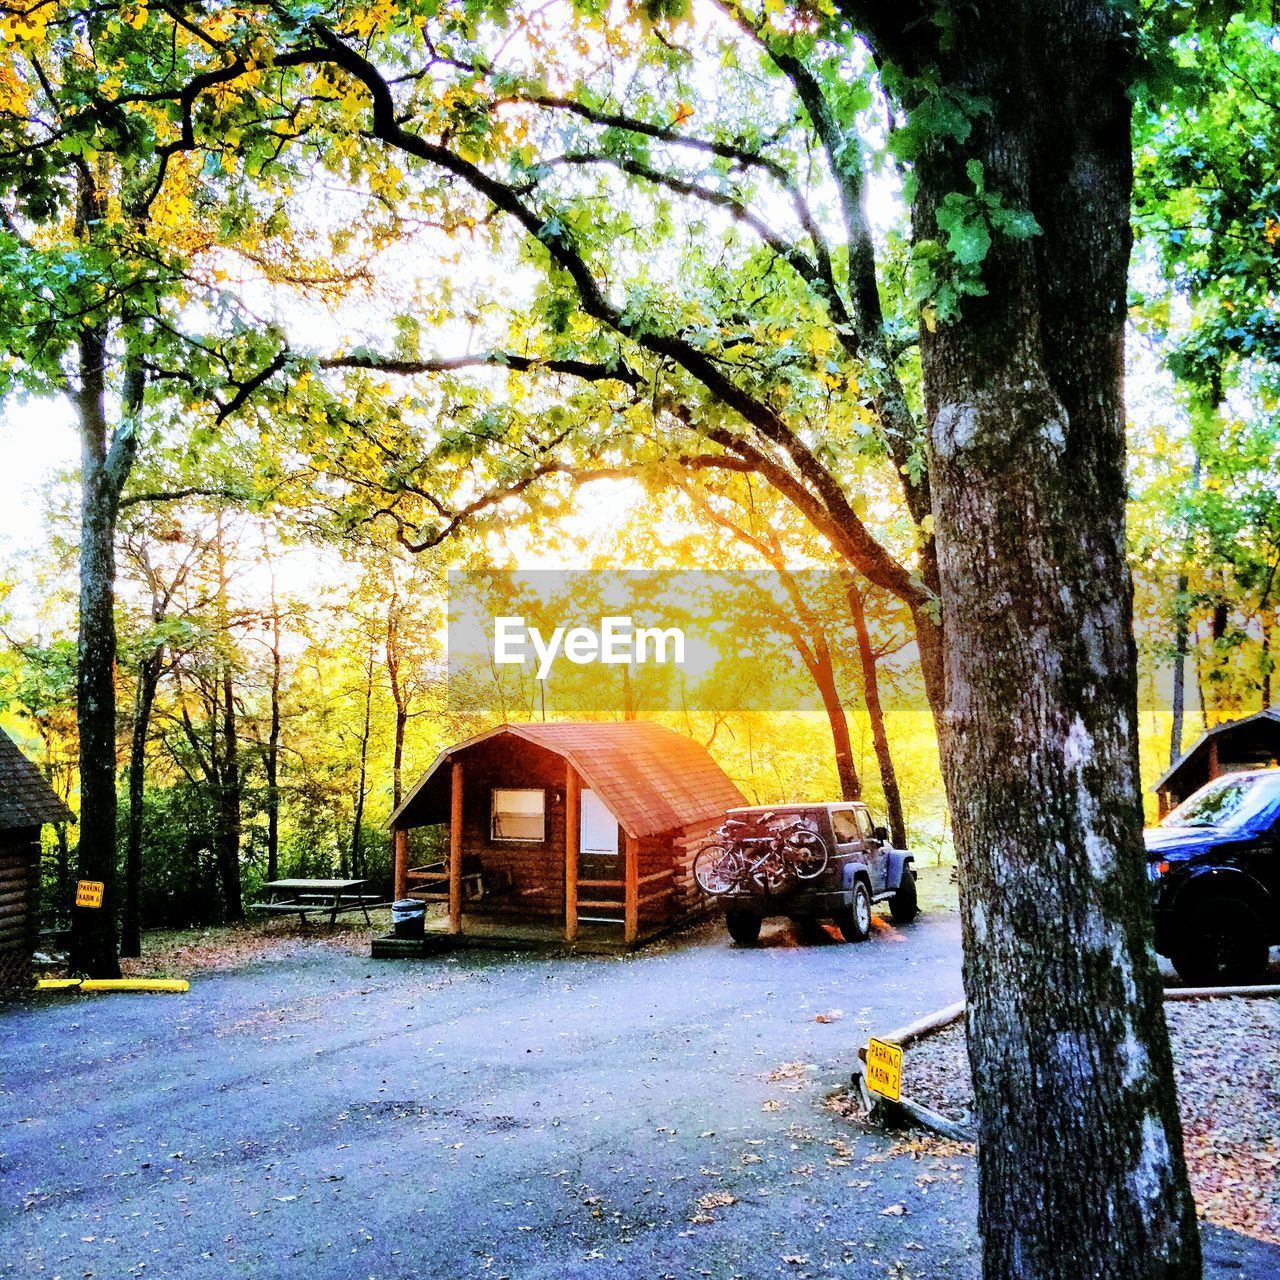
(144, 698)
(105, 465)
(1081, 1171)
(875, 713)
(93, 934)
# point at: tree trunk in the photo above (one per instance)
(227, 769)
(229, 822)
(1266, 661)
(271, 763)
(144, 699)
(357, 826)
(397, 758)
(63, 868)
(825, 678)
(398, 695)
(1181, 623)
(104, 467)
(1081, 1170)
(1181, 615)
(875, 712)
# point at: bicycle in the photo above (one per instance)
(728, 864)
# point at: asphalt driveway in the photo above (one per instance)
(483, 1115)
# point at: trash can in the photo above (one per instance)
(408, 918)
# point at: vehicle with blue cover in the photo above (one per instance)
(841, 864)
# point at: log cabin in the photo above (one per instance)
(1249, 743)
(565, 824)
(27, 802)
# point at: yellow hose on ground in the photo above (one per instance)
(114, 984)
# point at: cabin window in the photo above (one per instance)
(519, 815)
(599, 828)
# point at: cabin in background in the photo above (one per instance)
(27, 802)
(568, 824)
(1250, 743)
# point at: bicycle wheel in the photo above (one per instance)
(718, 868)
(806, 855)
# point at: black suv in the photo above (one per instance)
(1214, 867)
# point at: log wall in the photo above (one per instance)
(536, 871)
(19, 889)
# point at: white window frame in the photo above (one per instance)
(494, 837)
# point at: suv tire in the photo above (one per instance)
(743, 926)
(904, 906)
(1223, 943)
(854, 922)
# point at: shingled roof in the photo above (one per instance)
(26, 799)
(652, 779)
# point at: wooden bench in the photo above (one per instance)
(430, 883)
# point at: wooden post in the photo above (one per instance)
(631, 910)
(400, 838)
(455, 850)
(572, 802)
(1215, 768)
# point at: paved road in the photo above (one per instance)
(483, 1116)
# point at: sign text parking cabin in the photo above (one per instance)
(617, 642)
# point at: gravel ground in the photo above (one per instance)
(1227, 1056)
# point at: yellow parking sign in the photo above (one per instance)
(89, 893)
(884, 1069)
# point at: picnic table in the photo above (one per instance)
(317, 897)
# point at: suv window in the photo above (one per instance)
(846, 825)
(864, 823)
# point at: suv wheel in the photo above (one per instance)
(1223, 942)
(904, 906)
(854, 921)
(743, 926)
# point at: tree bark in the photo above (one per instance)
(824, 676)
(229, 797)
(399, 696)
(105, 462)
(1181, 626)
(144, 699)
(1081, 1170)
(357, 825)
(875, 713)
(271, 762)
(227, 781)
(1181, 617)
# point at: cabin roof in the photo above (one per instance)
(1265, 722)
(652, 779)
(26, 798)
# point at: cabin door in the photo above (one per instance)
(598, 840)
